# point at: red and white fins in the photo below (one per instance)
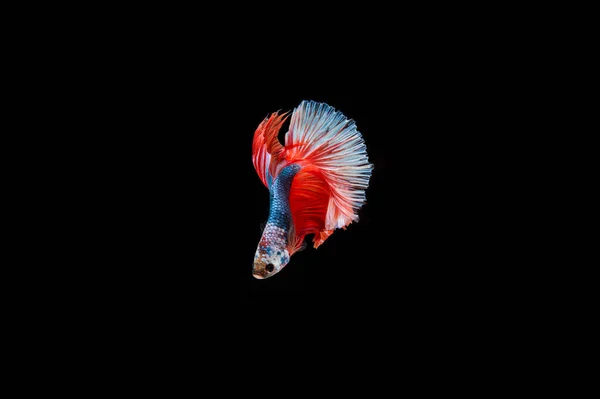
(266, 148)
(330, 188)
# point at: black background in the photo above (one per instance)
(179, 205)
(165, 208)
(189, 205)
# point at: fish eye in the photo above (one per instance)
(270, 267)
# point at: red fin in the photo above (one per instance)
(309, 199)
(266, 148)
(321, 237)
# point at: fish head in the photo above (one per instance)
(269, 261)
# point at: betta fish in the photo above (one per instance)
(316, 181)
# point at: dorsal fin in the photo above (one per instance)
(266, 149)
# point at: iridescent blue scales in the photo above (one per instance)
(272, 253)
(316, 182)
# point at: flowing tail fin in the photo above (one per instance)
(330, 188)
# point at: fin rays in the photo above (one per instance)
(330, 188)
(324, 138)
(266, 148)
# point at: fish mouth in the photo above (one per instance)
(258, 276)
(261, 271)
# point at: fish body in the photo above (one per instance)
(316, 182)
